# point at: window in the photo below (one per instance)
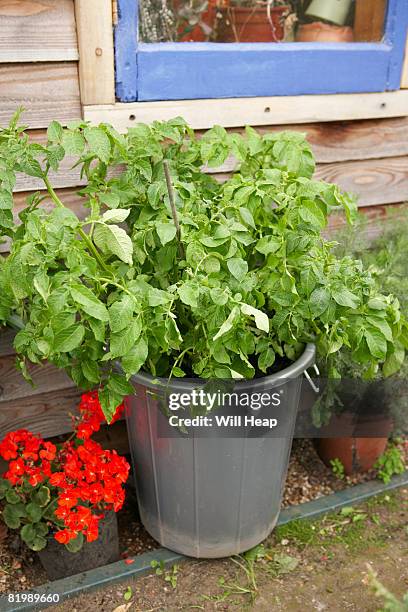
(190, 49)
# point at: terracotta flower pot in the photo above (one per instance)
(250, 24)
(197, 33)
(323, 32)
(357, 454)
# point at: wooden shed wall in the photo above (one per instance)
(39, 69)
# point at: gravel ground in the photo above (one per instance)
(319, 566)
(308, 478)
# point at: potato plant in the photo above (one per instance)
(230, 282)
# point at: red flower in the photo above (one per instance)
(48, 451)
(64, 536)
(91, 532)
(92, 415)
(58, 479)
(36, 477)
(69, 501)
(85, 481)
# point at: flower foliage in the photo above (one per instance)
(63, 489)
(244, 284)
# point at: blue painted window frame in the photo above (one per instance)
(187, 71)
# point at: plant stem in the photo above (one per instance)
(170, 191)
(93, 249)
(52, 193)
(81, 232)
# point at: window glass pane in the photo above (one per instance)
(261, 21)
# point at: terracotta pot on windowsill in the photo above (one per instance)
(357, 454)
(250, 24)
(323, 32)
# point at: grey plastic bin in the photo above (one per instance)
(210, 497)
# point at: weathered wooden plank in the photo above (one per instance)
(6, 342)
(380, 181)
(235, 112)
(95, 39)
(37, 31)
(47, 413)
(13, 386)
(47, 91)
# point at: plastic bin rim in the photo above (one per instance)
(294, 370)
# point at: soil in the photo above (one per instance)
(308, 478)
(304, 566)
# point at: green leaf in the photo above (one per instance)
(377, 342)
(34, 512)
(394, 362)
(189, 293)
(377, 303)
(98, 143)
(228, 323)
(28, 533)
(135, 358)
(55, 131)
(212, 265)
(247, 217)
(268, 244)
(261, 319)
(116, 215)
(41, 283)
(89, 302)
(382, 325)
(266, 359)
(73, 143)
(68, 339)
(122, 342)
(109, 401)
(114, 239)
(90, 370)
(120, 385)
(311, 213)
(219, 296)
(308, 280)
(12, 497)
(111, 200)
(319, 301)
(344, 297)
(12, 514)
(211, 242)
(238, 267)
(42, 496)
(121, 313)
(39, 543)
(6, 200)
(4, 486)
(166, 232)
(76, 544)
(127, 596)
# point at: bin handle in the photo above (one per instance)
(315, 388)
